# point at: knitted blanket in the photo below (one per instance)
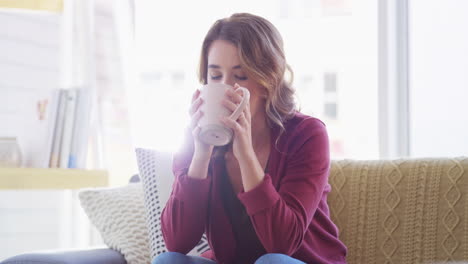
(401, 211)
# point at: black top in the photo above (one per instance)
(247, 240)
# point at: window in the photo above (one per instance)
(439, 84)
(330, 45)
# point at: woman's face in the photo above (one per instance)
(224, 67)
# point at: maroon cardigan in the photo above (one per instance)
(288, 209)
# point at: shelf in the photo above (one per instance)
(43, 5)
(33, 178)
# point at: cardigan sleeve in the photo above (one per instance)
(281, 217)
(184, 216)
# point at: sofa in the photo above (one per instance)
(387, 211)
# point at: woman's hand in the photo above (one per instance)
(242, 141)
(202, 151)
(250, 169)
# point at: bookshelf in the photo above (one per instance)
(45, 5)
(51, 179)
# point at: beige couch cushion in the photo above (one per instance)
(403, 211)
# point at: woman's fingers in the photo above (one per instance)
(195, 105)
(195, 118)
(196, 131)
(232, 102)
(243, 120)
(231, 124)
(229, 105)
(234, 96)
(195, 102)
(246, 111)
(195, 95)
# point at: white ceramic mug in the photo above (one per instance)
(213, 132)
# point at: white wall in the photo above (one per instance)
(439, 78)
(29, 71)
(29, 59)
(29, 63)
(29, 220)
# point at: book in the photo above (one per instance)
(78, 151)
(65, 145)
(53, 112)
(58, 129)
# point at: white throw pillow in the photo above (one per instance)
(157, 178)
(119, 215)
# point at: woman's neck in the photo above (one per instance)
(260, 129)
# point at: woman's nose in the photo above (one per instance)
(228, 81)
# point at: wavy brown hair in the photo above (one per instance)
(261, 53)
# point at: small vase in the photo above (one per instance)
(10, 153)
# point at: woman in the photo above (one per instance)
(263, 198)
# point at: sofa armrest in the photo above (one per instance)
(86, 256)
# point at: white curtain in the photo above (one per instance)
(97, 37)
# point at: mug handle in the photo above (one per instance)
(243, 103)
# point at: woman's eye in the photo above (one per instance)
(217, 77)
(242, 78)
